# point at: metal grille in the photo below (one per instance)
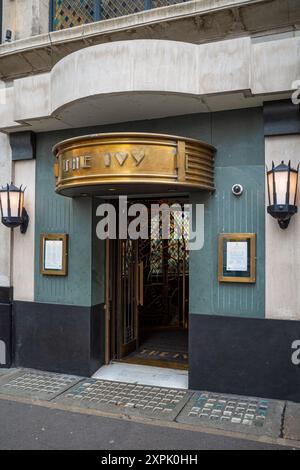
(179, 239)
(128, 283)
(116, 8)
(165, 258)
(69, 13)
(177, 245)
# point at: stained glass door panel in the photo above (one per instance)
(166, 267)
(128, 296)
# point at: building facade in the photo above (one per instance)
(163, 101)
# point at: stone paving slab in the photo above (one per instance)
(4, 371)
(129, 399)
(36, 385)
(7, 373)
(233, 413)
(292, 422)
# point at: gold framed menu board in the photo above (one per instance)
(54, 254)
(237, 257)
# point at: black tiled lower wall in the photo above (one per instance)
(245, 356)
(59, 338)
(5, 336)
(6, 295)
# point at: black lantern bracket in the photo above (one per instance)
(25, 223)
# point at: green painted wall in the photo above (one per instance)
(98, 262)
(55, 214)
(238, 136)
(226, 214)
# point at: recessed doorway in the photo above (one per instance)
(150, 292)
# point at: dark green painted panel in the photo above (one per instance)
(98, 262)
(55, 214)
(238, 137)
(224, 213)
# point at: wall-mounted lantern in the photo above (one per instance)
(13, 212)
(282, 188)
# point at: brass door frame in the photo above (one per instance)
(107, 306)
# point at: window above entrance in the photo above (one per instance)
(70, 13)
(132, 163)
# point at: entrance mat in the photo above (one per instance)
(159, 357)
(232, 413)
(129, 399)
(36, 385)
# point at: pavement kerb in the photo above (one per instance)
(293, 442)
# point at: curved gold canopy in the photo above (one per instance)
(132, 163)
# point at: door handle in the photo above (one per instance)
(141, 283)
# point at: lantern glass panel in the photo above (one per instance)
(21, 203)
(14, 203)
(281, 184)
(293, 188)
(271, 188)
(4, 205)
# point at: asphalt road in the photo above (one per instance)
(30, 427)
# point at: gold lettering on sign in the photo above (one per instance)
(66, 165)
(121, 157)
(86, 161)
(76, 163)
(107, 160)
(138, 156)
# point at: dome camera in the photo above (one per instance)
(237, 189)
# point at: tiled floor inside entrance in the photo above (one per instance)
(144, 375)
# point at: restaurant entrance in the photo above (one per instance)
(150, 291)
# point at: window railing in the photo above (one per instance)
(69, 13)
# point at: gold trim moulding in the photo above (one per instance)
(132, 163)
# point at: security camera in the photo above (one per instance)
(237, 189)
(8, 35)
